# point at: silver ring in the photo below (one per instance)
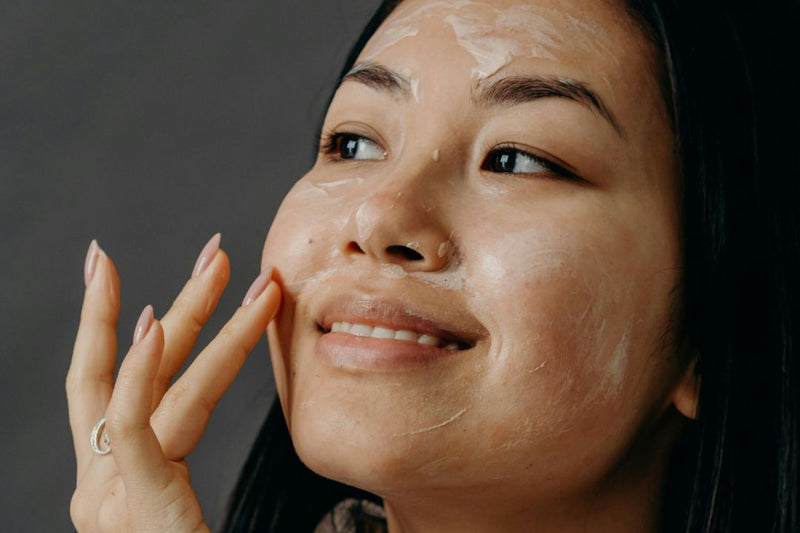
(99, 436)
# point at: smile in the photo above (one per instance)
(405, 335)
(360, 332)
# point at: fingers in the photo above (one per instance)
(135, 448)
(91, 372)
(189, 313)
(184, 412)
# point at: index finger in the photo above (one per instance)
(189, 313)
(90, 378)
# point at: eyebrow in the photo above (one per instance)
(522, 89)
(503, 92)
(380, 78)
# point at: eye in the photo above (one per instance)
(350, 146)
(511, 160)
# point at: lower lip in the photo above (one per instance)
(368, 354)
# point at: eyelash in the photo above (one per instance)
(549, 165)
(330, 146)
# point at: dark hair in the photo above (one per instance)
(730, 71)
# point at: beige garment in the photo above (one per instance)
(354, 516)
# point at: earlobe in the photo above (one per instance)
(686, 394)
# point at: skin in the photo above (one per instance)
(143, 484)
(562, 411)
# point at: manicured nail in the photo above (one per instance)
(90, 264)
(143, 324)
(258, 286)
(205, 257)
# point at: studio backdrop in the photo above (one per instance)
(149, 126)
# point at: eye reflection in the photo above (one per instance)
(513, 161)
(349, 146)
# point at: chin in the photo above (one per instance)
(360, 458)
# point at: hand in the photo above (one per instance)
(143, 484)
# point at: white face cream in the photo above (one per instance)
(494, 35)
(557, 286)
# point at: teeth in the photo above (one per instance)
(428, 340)
(360, 330)
(382, 333)
(378, 332)
(405, 335)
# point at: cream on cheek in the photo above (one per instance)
(297, 228)
(561, 322)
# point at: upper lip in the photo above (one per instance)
(396, 310)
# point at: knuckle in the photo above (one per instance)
(182, 398)
(228, 334)
(240, 351)
(192, 313)
(206, 406)
(80, 510)
(176, 396)
(77, 382)
(235, 347)
(71, 384)
(98, 315)
(122, 425)
(234, 340)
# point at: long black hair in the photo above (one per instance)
(730, 72)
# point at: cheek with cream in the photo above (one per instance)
(568, 303)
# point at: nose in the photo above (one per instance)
(402, 225)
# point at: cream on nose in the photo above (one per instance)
(398, 227)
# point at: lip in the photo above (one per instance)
(423, 314)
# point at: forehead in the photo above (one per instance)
(543, 29)
(593, 41)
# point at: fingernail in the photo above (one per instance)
(258, 286)
(143, 324)
(90, 264)
(205, 257)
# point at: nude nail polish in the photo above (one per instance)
(90, 265)
(257, 287)
(143, 324)
(205, 257)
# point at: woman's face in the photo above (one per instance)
(479, 271)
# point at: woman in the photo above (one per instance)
(540, 278)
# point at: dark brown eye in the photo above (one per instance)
(353, 147)
(513, 161)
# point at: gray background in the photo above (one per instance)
(148, 125)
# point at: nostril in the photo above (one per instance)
(405, 252)
(353, 247)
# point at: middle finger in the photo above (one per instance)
(189, 313)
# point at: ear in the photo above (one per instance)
(687, 392)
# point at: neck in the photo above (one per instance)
(600, 513)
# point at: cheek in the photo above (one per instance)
(575, 316)
(301, 243)
(301, 246)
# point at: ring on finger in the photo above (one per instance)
(99, 440)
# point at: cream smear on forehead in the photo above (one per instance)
(495, 35)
